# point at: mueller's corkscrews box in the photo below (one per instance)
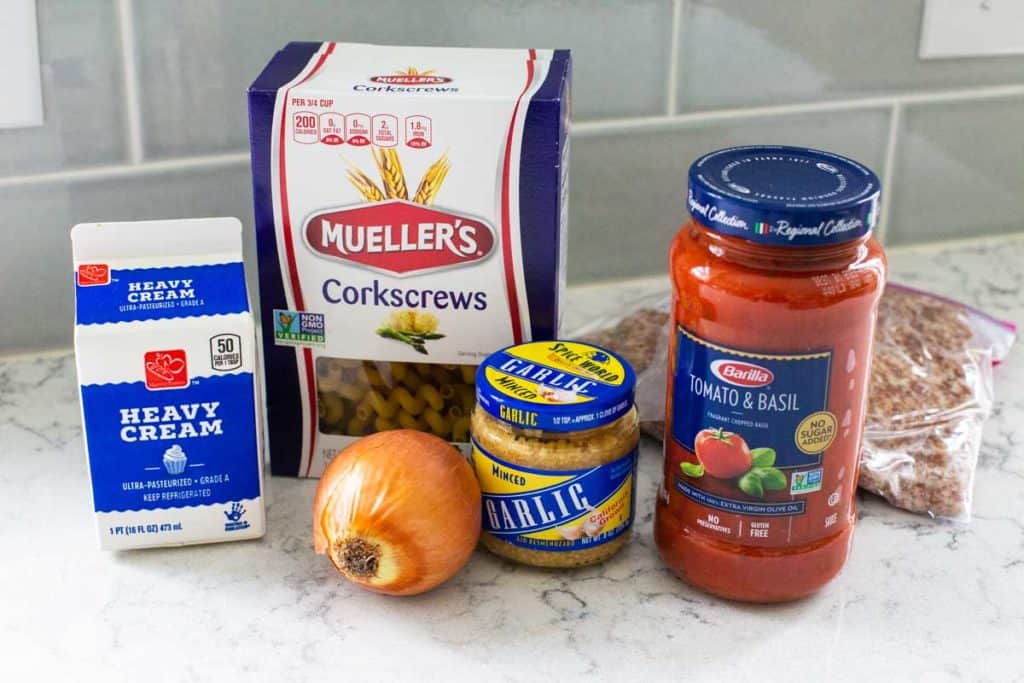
(165, 349)
(410, 220)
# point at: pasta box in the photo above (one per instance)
(410, 208)
(166, 354)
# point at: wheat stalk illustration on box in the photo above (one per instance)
(389, 166)
(412, 328)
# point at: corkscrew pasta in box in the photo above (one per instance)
(410, 219)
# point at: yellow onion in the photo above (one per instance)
(398, 512)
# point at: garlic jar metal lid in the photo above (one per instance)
(559, 386)
(783, 196)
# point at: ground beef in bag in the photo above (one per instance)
(640, 338)
(930, 393)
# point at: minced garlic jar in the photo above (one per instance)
(555, 436)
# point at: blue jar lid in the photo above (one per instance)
(558, 386)
(783, 196)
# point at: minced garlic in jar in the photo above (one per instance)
(555, 436)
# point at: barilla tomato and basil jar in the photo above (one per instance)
(554, 446)
(776, 279)
(166, 352)
(410, 219)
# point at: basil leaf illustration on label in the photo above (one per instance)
(773, 479)
(750, 484)
(692, 469)
(762, 457)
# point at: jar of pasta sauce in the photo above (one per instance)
(776, 279)
(554, 437)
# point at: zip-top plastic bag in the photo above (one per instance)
(640, 335)
(930, 394)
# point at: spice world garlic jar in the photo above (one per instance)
(554, 446)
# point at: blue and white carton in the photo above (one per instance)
(166, 355)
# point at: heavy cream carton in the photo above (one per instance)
(166, 353)
(410, 220)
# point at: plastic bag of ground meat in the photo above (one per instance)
(929, 397)
(930, 393)
(639, 334)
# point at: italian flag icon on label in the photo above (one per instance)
(760, 228)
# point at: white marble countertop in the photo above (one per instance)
(918, 600)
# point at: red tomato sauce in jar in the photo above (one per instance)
(776, 281)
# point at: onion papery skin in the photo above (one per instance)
(398, 512)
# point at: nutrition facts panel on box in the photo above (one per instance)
(316, 122)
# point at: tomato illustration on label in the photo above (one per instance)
(723, 454)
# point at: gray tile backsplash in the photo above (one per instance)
(197, 57)
(957, 164)
(632, 189)
(620, 48)
(82, 92)
(962, 171)
(737, 53)
(38, 219)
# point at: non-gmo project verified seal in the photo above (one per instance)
(805, 482)
(297, 328)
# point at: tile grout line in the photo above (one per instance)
(580, 130)
(895, 120)
(599, 127)
(126, 31)
(123, 170)
(663, 280)
(655, 281)
(672, 86)
(22, 354)
(938, 245)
